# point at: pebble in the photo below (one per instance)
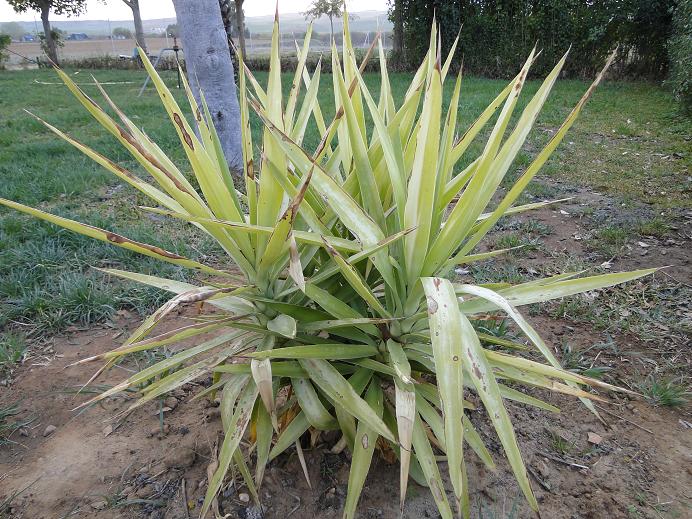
(213, 413)
(155, 431)
(182, 457)
(49, 430)
(245, 498)
(254, 512)
(99, 505)
(594, 439)
(171, 402)
(145, 491)
(542, 469)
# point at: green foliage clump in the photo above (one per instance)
(58, 38)
(665, 391)
(5, 41)
(494, 34)
(12, 348)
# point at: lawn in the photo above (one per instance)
(629, 142)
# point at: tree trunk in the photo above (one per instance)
(48, 35)
(139, 28)
(331, 24)
(240, 20)
(209, 68)
(398, 19)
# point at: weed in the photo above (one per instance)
(577, 308)
(495, 327)
(609, 240)
(559, 443)
(12, 348)
(536, 228)
(7, 426)
(665, 392)
(540, 190)
(514, 240)
(576, 361)
(490, 271)
(493, 513)
(656, 227)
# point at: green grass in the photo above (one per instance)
(514, 240)
(665, 391)
(657, 227)
(559, 443)
(12, 348)
(46, 279)
(576, 360)
(610, 240)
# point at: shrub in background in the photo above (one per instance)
(333, 309)
(680, 55)
(495, 35)
(5, 41)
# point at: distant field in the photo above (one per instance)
(95, 48)
(86, 49)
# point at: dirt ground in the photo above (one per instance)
(639, 465)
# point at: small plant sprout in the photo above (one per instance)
(332, 309)
(666, 392)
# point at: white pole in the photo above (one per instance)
(110, 32)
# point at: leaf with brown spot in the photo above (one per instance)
(116, 239)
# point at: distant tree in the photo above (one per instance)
(68, 7)
(173, 31)
(329, 8)
(240, 21)
(13, 29)
(139, 28)
(5, 41)
(122, 32)
(397, 17)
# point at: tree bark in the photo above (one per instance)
(139, 28)
(331, 24)
(240, 21)
(210, 69)
(48, 35)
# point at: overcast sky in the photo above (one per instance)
(117, 10)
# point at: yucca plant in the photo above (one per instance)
(334, 309)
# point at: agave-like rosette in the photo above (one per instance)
(334, 295)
